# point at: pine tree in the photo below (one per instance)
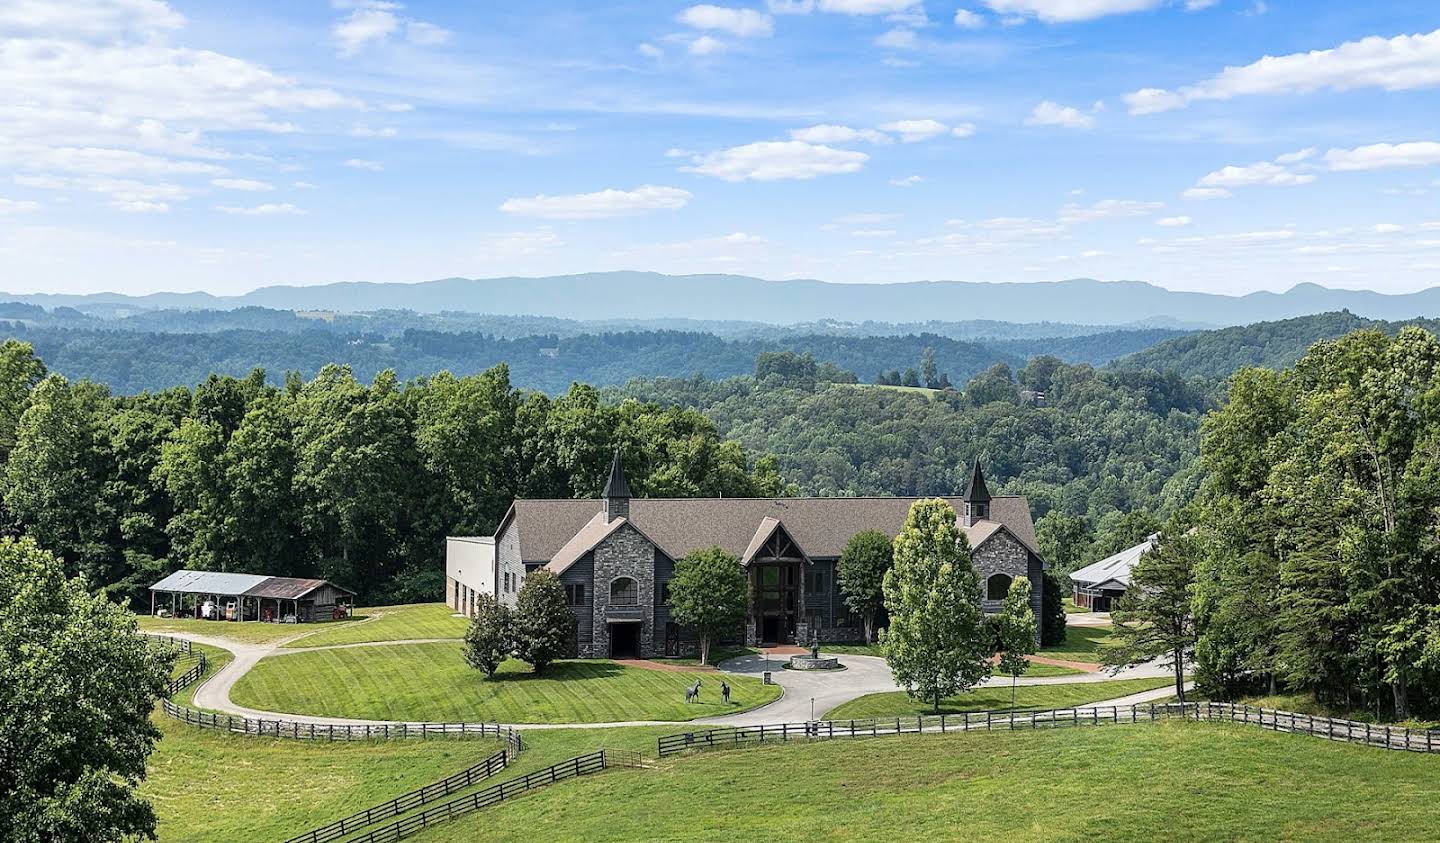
(1155, 620)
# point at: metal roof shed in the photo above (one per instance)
(252, 596)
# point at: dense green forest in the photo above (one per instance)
(1273, 345)
(1319, 569)
(356, 482)
(1101, 458)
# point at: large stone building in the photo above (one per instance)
(615, 557)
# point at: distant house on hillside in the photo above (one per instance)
(615, 557)
(1097, 586)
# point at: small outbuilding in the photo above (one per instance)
(219, 596)
(1098, 585)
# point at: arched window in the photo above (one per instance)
(997, 587)
(624, 592)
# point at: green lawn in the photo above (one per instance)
(1082, 644)
(248, 632)
(898, 704)
(1173, 781)
(432, 682)
(390, 623)
(208, 786)
(874, 650)
(215, 658)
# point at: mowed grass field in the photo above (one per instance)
(248, 632)
(874, 650)
(1082, 644)
(899, 704)
(1172, 781)
(209, 786)
(432, 682)
(388, 623)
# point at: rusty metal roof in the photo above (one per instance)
(248, 585)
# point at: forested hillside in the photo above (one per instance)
(353, 481)
(1103, 444)
(1273, 345)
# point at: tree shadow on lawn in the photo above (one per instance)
(582, 671)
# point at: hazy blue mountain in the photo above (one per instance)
(648, 295)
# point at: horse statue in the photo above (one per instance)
(692, 693)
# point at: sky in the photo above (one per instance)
(1215, 145)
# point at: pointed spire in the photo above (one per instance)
(617, 492)
(977, 492)
(617, 486)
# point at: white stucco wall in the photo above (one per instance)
(470, 562)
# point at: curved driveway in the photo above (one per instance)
(828, 689)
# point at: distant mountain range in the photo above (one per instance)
(648, 295)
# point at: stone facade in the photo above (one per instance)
(624, 553)
(1003, 554)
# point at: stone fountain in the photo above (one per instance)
(814, 661)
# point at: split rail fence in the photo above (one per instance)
(1349, 731)
(187, 678)
(297, 730)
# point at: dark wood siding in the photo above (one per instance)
(583, 573)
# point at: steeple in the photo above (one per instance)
(977, 497)
(617, 492)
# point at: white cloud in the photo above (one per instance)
(899, 38)
(866, 7)
(907, 181)
(963, 130)
(1197, 5)
(831, 133)
(1068, 11)
(1261, 172)
(650, 51)
(778, 160)
(790, 7)
(1380, 156)
(269, 209)
(1296, 157)
(248, 185)
(1401, 63)
(1387, 228)
(1050, 113)
(375, 21)
(17, 206)
(873, 232)
(87, 18)
(140, 207)
(427, 34)
(363, 164)
(1204, 193)
(603, 203)
(914, 131)
(372, 132)
(1107, 209)
(1174, 222)
(705, 45)
(743, 23)
(966, 19)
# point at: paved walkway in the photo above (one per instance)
(805, 694)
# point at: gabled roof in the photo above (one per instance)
(769, 526)
(1116, 567)
(821, 526)
(979, 532)
(248, 585)
(594, 532)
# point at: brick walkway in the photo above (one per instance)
(667, 666)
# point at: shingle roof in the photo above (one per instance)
(819, 526)
(1116, 567)
(249, 585)
(594, 531)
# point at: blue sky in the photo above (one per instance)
(1219, 145)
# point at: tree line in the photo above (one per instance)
(332, 477)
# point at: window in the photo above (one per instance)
(575, 594)
(997, 587)
(665, 592)
(815, 582)
(624, 592)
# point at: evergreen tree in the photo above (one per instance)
(1155, 618)
(1053, 597)
(708, 595)
(937, 643)
(544, 625)
(861, 574)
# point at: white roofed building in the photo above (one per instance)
(1098, 585)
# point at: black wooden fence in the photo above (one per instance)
(580, 765)
(298, 730)
(196, 671)
(409, 801)
(181, 644)
(1388, 737)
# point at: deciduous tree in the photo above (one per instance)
(544, 626)
(861, 572)
(1015, 631)
(491, 636)
(937, 643)
(708, 594)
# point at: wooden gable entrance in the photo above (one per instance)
(775, 564)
